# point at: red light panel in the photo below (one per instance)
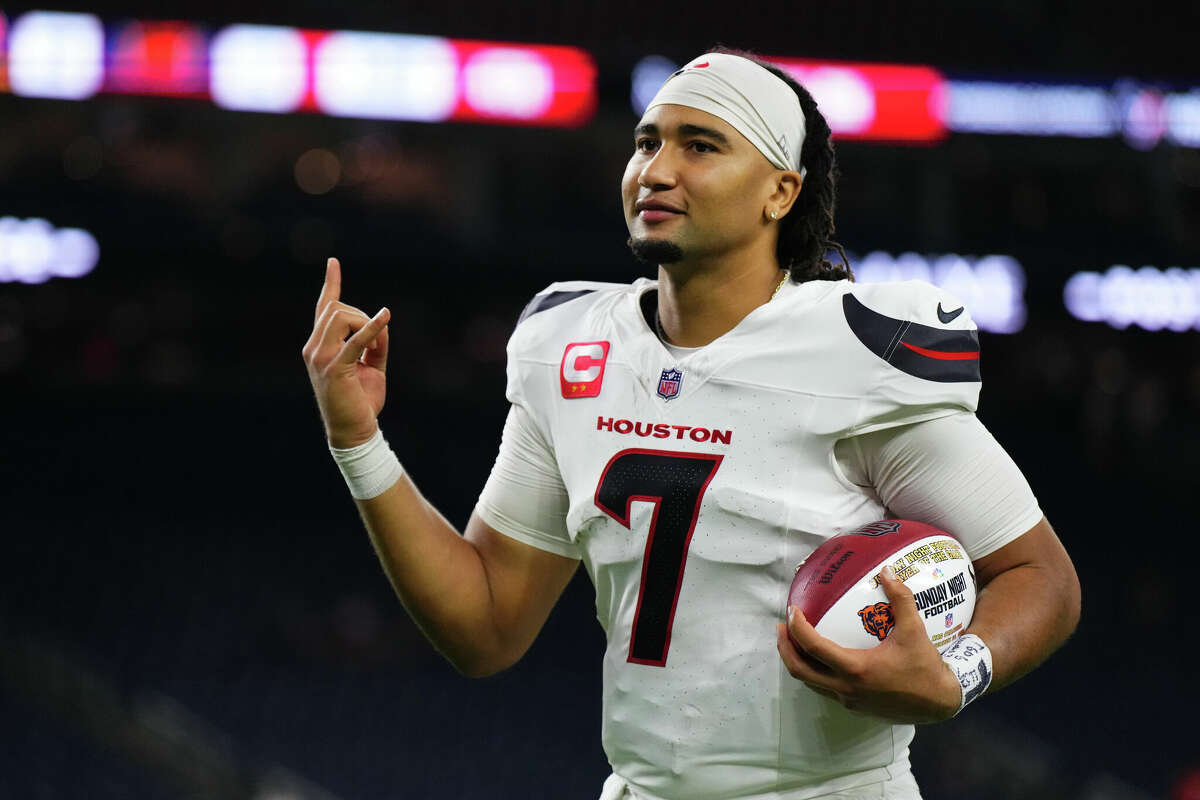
(3, 53)
(564, 94)
(888, 102)
(312, 38)
(157, 58)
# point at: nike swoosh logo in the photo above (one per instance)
(699, 66)
(949, 316)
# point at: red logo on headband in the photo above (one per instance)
(698, 66)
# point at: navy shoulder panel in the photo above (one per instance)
(935, 354)
(545, 302)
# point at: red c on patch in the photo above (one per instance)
(582, 369)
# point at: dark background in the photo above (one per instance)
(190, 607)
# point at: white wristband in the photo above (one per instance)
(370, 469)
(971, 662)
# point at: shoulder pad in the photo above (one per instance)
(545, 302)
(562, 292)
(946, 350)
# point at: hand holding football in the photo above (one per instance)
(837, 587)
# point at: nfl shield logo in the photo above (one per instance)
(668, 383)
(949, 620)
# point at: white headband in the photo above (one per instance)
(757, 103)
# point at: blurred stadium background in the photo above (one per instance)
(190, 607)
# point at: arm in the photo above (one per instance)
(1033, 574)
(480, 599)
(949, 472)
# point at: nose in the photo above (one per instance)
(659, 172)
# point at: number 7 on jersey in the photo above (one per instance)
(675, 483)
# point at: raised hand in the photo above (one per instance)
(346, 356)
(901, 679)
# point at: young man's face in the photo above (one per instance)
(711, 183)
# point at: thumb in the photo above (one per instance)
(904, 605)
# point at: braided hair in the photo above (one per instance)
(806, 234)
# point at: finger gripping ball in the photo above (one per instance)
(837, 586)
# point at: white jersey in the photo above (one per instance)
(692, 488)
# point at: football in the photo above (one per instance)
(837, 587)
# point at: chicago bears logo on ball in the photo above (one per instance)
(880, 528)
(877, 619)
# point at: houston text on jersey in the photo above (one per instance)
(661, 430)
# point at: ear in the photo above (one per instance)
(787, 188)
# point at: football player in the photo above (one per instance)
(690, 440)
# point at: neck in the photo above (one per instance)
(697, 305)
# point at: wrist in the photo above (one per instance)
(951, 693)
(370, 468)
(970, 661)
(345, 440)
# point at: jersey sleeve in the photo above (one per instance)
(926, 349)
(524, 497)
(950, 473)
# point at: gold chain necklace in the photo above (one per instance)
(658, 320)
(782, 281)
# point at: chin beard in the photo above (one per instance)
(655, 251)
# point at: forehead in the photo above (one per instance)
(669, 118)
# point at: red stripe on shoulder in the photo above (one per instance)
(943, 355)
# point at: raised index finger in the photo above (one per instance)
(331, 291)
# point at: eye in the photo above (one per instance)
(703, 147)
(645, 144)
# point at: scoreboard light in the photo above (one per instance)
(1150, 298)
(878, 102)
(56, 55)
(385, 76)
(401, 77)
(1144, 115)
(1027, 109)
(432, 79)
(157, 58)
(649, 73)
(992, 287)
(1183, 118)
(505, 82)
(258, 68)
(525, 84)
(33, 251)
